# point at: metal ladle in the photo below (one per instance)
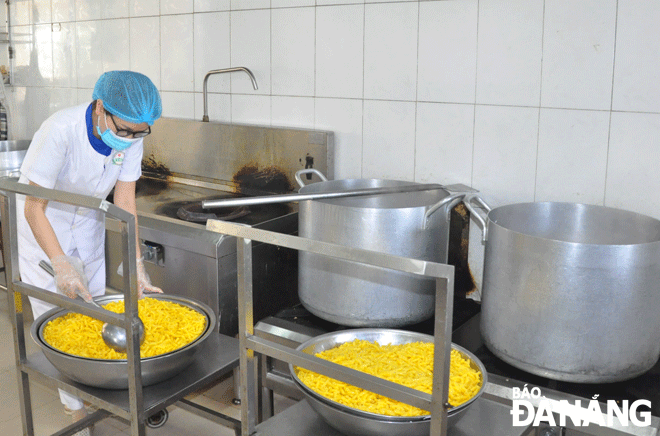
(113, 335)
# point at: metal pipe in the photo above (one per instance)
(285, 198)
(205, 118)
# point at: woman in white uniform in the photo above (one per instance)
(87, 149)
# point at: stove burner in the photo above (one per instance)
(195, 213)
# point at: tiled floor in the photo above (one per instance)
(49, 414)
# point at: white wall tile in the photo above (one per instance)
(115, 43)
(292, 57)
(219, 107)
(23, 36)
(64, 10)
(388, 140)
(88, 49)
(62, 98)
(17, 127)
(344, 118)
(176, 7)
(249, 4)
(250, 48)
(337, 2)
(572, 156)
(38, 101)
(101, 46)
(176, 53)
(250, 109)
(339, 51)
(292, 112)
(447, 60)
(211, 40)
(443, 146)
(310, 66)
(178, 104)
(65, 73)
(114, 9)
(141, 8)
(41, 11)
(505, 144)
(509, 52)
(211, 5)
(21, 12)
(578, 54)
(636, 84)
(291, 3)
(86, 10)
(390, 31)
(632, 165)
(145, 47)
(84, 95)
(41, 62)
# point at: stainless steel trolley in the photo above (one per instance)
(251, 346)
(218, 357)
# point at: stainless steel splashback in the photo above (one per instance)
(218, 152)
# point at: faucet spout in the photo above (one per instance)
(205, 118)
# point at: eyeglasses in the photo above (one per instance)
(125, 132)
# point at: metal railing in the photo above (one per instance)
(17, 289)
(436, 403)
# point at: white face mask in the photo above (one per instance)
(111, 139)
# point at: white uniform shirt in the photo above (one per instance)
(61, 157)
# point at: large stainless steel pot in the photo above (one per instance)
(410, 225)
(571, 291)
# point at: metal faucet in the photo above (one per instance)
(205, 118)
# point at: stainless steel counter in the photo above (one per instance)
(489, 415)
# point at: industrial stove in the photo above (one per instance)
(492, 413)
(186, 162)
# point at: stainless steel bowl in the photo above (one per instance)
(113, 374)
(356, 422)
(11, 156)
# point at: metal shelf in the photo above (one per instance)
(216, 358)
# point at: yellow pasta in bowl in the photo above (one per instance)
(409, 364)
(399, 356)
(168, 326)
(177, 332)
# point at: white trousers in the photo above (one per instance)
(35, 275)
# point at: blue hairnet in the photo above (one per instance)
(129, 95)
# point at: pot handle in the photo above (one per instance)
(309, 171)
(477, 214)
(452, 200)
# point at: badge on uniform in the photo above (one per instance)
(118, 159)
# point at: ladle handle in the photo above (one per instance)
(285, 198)
(49, 269)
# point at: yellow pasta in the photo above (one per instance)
(168, 326)
(407, 364)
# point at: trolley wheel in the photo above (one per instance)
(158, 419)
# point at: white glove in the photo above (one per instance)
(70, 278)
(144, 282)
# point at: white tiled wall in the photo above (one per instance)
(524, 100)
